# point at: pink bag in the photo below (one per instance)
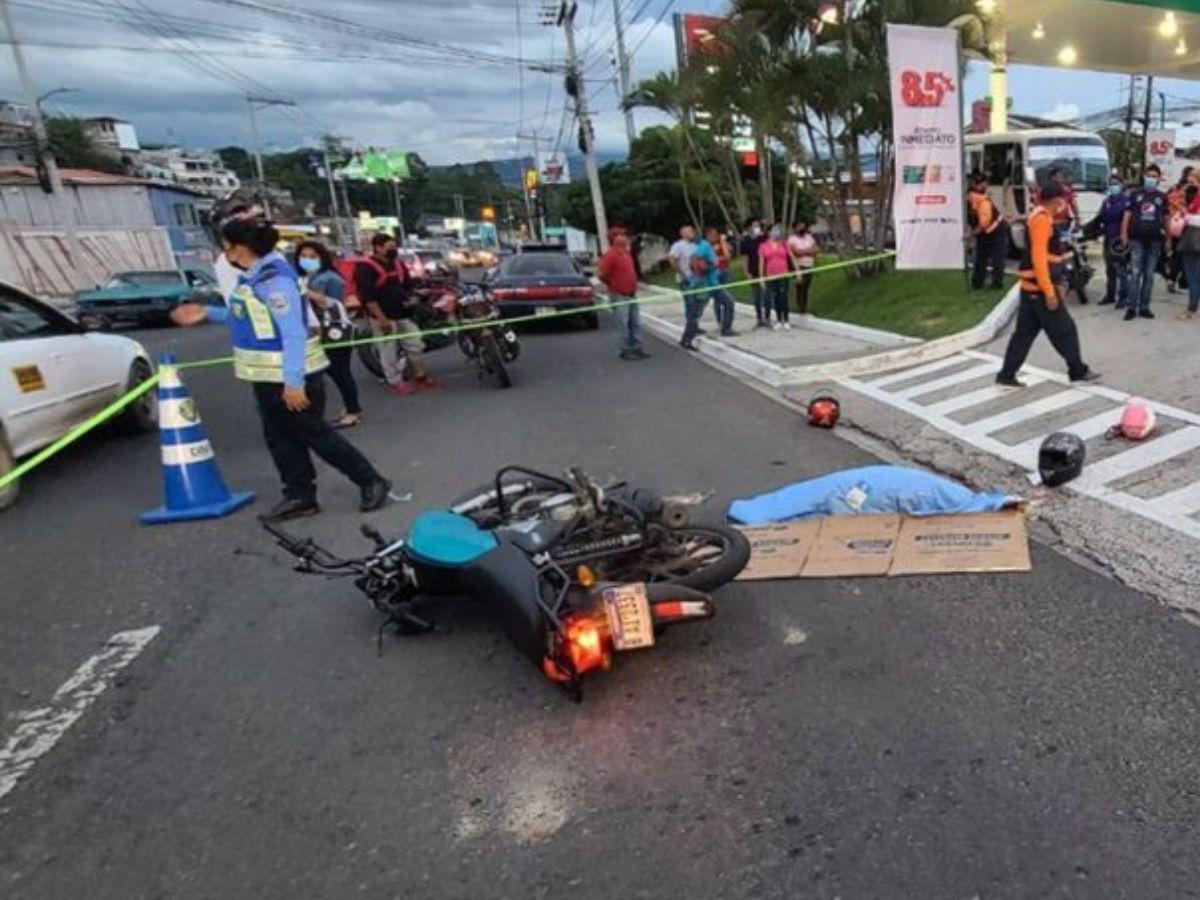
(1137, 421)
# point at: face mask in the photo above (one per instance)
(309, 264)
(775, 232)
(755, 230)
(1113, 190)
(1151, 182)
(391, 255)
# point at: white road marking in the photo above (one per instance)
(947, 381)
(916, 371)
(973, 398)
(41, 729)
(1141, 456)
(1030, 410)
(1172, 509)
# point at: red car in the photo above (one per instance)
(541, 283)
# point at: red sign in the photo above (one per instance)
(931, 200)
(924, 89)
(700, 34)
(1160, 148)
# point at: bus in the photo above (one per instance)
(1015, 162)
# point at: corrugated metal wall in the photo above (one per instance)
(39, 260)
(86, 205)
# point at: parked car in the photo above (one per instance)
(55, 374)
(541, 283)
(146, 297)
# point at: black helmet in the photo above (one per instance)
(241, 203)
(1060, 458)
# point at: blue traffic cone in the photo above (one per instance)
(192, 483)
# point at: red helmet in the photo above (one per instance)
(823, 411)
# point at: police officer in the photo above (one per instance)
(991, 245)
(276, 348)
(1041, 305)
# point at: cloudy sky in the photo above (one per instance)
(438, 78)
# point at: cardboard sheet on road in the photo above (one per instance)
(850, 546)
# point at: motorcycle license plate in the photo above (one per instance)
(629, 619)
(544, 311)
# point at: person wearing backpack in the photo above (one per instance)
(1144, 228)
(704, 277)
(1108, 224)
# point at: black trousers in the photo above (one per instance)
(803, 283)
(291, 435)
(340, 359)
(1032, 318)
(990, 251)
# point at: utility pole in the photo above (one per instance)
(1128, 173)
(252, 103)
(577, 89)
(44, 151)
(333, 199)
(623, 65)
(1146, 117)
(399, 210)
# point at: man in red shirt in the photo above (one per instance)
(619, 274)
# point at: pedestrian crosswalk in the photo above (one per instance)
(957, 395)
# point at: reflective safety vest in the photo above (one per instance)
(257, 344)
(1053, 250)
(987, 217)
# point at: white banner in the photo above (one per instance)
(1160, 149)
(553, 169)
(927, 131)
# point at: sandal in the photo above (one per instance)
(348, 420)
(1185, 316)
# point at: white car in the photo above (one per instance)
(55, 374)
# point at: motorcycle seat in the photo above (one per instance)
(443, 538)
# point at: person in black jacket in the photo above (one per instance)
(752, 238)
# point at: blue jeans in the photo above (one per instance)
(777, 290)
(693, 309)
(629, 322)
(762, 306)
(1143, 260)
(723, 305)
(1191, 266)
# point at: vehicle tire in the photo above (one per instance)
(734, 553)
(8, 493)
(140, 416)
(591, 321)
(493, 360)
(368, 354)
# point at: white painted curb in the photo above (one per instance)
(911, 354)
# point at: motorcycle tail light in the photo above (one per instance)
(585, 644)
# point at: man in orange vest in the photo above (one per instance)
(1041, 304)
(991, 239)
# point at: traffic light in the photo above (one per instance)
(531, 179)
(590, 135)
(748, 164)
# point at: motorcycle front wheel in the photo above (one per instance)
(368, 354)
(493, 360)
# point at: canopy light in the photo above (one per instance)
(987, 7)
(1068, 56)
(1181, 48)
(1039, 31)
(828, 13)
(1168, 27)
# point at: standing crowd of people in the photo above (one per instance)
(775, 261)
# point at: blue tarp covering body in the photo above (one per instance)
(871, 489)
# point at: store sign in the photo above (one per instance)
(553, 169)
(1160, 149)
(927, 132)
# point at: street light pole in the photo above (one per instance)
(251, 102)
(42, 140)
(566, 18)
(623, 73)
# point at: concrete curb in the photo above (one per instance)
(912, 354)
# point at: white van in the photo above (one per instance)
(1015, 162)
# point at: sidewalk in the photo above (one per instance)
(1155, 358)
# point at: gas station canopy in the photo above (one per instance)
(1141, 37)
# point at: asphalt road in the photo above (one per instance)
(976, 736)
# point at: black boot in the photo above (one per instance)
(291, 508)
(375, 494)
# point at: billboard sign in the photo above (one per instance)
(1160, 149)
(380, 165)
(553, 169)
(927, 125)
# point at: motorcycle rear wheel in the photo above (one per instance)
(493, 360)
(702, 557)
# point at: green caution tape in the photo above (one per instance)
(124, 400)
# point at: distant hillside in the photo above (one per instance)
(510, 169)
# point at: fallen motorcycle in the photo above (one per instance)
(443, 303)
(540, 577)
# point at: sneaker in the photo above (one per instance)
(1145, 314)
(1186, 316)
(628, 355)
(291, 508)
(778, 326)
(787, 326)
(375, 494)
(1130, 314)
(762, 324)
(688, 345)
(1009, 381)
(1106, 301)
(729, 332)
(429, 383)
(404, 389)
(640, 353)
(1172, 288)
(1089, 375)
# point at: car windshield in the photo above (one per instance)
(22, 318)
(143, 279)
(539, 264)
(1085, 164)
(429, 255)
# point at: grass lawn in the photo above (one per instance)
(919, 304)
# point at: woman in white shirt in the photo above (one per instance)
(802, 247)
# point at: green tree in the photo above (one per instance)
(74, 147)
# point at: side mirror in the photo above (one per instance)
(93, 322)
